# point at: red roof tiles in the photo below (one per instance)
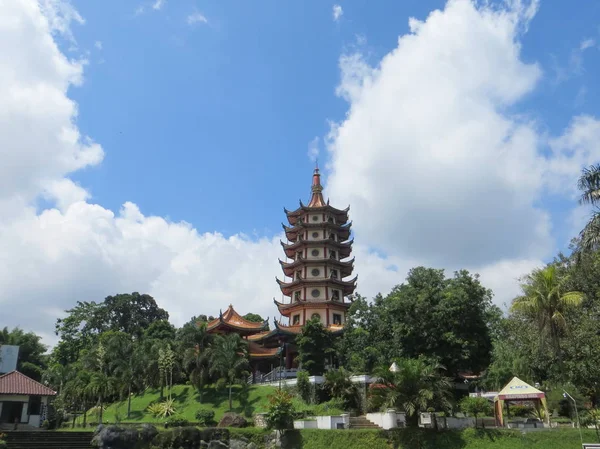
(18, 383)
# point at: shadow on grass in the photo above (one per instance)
(426, 439)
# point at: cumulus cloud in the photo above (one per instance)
(158, 4)
(314, 149)
(98, 45)
(337, 12)
(195, 18)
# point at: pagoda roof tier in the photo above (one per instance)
(344, 248)
(341, 215)
(344, 267)
(233, 321)
(287, 309)
(255, 351)
(343, 230)
(288, 287)
(295, 330)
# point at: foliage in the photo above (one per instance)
(589, 185)
(205, 417)
(229, 359)
(32, 360)
(315, 347)
(254, 317)
(280, 414)
(340, 386)
(304, 387)
(176, 421)
(475, 406)
(162, 409)
(546, 301)
(448, 319)
(416, 386)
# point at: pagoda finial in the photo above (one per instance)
(316, 199)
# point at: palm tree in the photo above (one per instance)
(339, 384)
(228, 359)
(102, 386)
(589, 184)
(414, 386)
(545, 301)
(195, 341)
(123, 364)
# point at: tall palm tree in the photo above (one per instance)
(194, 344)
(123, 364)
(229, 359)
(545, 301)
(414, 386)
(102, 386)
(589, 184)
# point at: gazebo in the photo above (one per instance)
(517, 390)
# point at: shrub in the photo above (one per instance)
(176, 421)
(205, 417)
(162, 409)
(280, 415)
(475, 406)
(304, 387)
(520, 411)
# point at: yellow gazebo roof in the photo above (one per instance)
(517, 389)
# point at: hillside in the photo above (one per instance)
(254, 399)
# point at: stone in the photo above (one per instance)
(238, 444)
(251, 446)
(217, 445)
(232, 420)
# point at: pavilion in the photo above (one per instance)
(518, 391)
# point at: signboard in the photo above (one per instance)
(591, 446)
(8, 358)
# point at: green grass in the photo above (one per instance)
(187, 403)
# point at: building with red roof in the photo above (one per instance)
(23, 400)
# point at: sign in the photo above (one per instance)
(8, 358)
(591, 446)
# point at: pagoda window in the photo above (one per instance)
(298, 274)
(332, 236)
(315, 235)
(315, 252)
(316, 316)
(299, 255)
(334, 274)
(297, 296)
(315, 293)
(315, 218)
(296, 320)
(332, 255)
(335, 295)
(337, 319)
(315, 272)
(330, 219)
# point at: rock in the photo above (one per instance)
(203, 444)
(232, 420)
(237, 444)
(251, 446)
(217, 445)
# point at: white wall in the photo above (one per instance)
(323, 422)
(388, 419)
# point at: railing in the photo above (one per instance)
(273, 376)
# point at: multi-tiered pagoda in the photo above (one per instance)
(317, 263)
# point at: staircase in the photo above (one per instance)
(41, 439)
(361, 422)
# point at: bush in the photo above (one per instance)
(520, 411)
(475, 406)
(176, 421)
(162, 409)
(304, 388)
(280, 415)
(205, 417)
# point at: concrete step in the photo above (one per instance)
(48, 440)
(361, 422)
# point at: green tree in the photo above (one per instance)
(315, 347)
(475, 406)
(195, 341)
(280, 414)
(229, 359)
(416, 386)
(255, 318)
(32, 360)
(545, 301)
(339, 384)
(589, 185)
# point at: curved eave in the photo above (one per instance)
(295, 330)
(288, 309)
(345, 268)
(287, 288)
(340, 214)
(311, 243)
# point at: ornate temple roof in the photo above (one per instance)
(287, 309)
(342, 230)
(344, 267)
(288, 287)
(295, 330)
(344, 248)
(255, 351)
(233, 321)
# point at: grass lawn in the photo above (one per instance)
(187, 403)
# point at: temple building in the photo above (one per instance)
(317, 265)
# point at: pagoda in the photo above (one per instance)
(316, 268)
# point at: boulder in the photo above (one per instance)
(232, 420)
(217, 445)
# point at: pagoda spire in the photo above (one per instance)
(316, 199)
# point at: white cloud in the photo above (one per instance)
(139, 10)
(314, 149)
(587, 43)
(337, 12)
(158, 4)
(195, 18)
(98, 45)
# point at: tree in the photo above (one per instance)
(315, 347)
(122, 350)
(416, 386)
(340, 386)
(229, 359)
(32, 360)
(545, 301)
(589, 184)
(280, 414)
(255, 318)
(195, 341)
(475, 406)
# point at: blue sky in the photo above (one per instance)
(152, 146)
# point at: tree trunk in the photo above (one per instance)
(84, 414)
(100, 412)
(230, 407)
(129, 401)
